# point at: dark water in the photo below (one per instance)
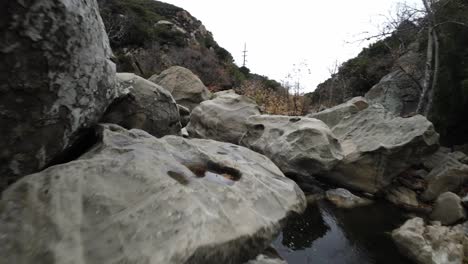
(328, 235)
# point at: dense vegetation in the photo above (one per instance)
(450, 110)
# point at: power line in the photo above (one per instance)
(244, 54)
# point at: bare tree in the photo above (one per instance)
(425, 19)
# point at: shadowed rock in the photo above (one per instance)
(146, 106)
(56, 79)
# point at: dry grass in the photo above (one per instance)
(275, 102)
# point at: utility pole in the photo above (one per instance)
(244, 54)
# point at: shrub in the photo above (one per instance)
(274, 102)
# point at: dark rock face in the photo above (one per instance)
(55, 79)
(146, 106)
(397, 92)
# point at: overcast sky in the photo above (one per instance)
(281, 34)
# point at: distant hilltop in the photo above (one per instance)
(149, 36)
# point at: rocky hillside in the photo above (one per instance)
(99, 166)
(394, 68)
(149, 36)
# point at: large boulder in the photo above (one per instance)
(56, 79)
(398, 92)
(378, 146)
(431, 244)
(447, 175)
(145, 106)
(333, 116)
(301, 147)
(448, 209)
(137, 199)
(223, 118)
(186, 88)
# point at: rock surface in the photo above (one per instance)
(447, 175)
(448, 209)
(146, 106)
(55, 80)
(223, 118)
(186, 88)
(184, 113)
(301, 147)
(397, 92)
(134, 198)
(403, 197)
(378, 146)
(264, 259)
(334, 115)
(433, 244)
(343, 198)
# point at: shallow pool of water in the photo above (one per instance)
(325, 234)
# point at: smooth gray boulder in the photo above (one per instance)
(398, 92)
(378, 146)
(186, 88)
(301, 147)
(447, 175)
(343, 198)
(448, 209)
(134, 198)
(224, 118)
(56, 80)
(333, 116)
(145, 106)
(431, 244)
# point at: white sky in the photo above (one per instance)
(280, 34)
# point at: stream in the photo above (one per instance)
(325, 234)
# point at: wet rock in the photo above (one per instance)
(301, 147)
(433, 244)
(146, 106)
(269, 256)
(402, 197)
(138, 199)
(223, 118)
(334, 115)
(263, 259)
(447, 175)
(378, 146)
(56, 80)
(343, 198)
(186, 88)
(448, 209)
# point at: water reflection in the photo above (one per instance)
(302, 230)
(325, 234)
